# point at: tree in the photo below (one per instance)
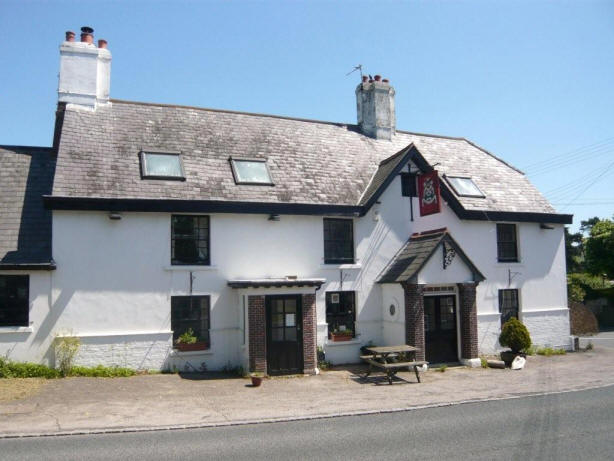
(599, 249)
(586, 226)
(574, 251)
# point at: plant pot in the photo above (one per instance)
(256, 380)
(197, 346)
(340, 337)
(509, 356)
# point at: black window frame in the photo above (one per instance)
(408, 185)
(144, 172)
(15, 309)
(175, 261)
(509, 307)
(338, 313)
(505, 245)
(235, 173)
(332, 253)
(180, 326)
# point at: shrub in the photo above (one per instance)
(188, 337)
(548, 351)
(9, 369)
(442, 368)
(515, 335)
(66, 348)
(101, 371)
(484, 362)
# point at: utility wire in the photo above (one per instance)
(571, 156)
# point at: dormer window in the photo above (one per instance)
(464, 187)
(162, 165)
(251, 171)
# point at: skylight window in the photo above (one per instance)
(252, 171)
(158, 165)
(464, 187)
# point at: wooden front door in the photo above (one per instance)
(284, 334)
(440, 329)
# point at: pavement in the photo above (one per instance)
(148, 402)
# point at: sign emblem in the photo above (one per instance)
(428, 193)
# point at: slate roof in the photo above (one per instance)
(311, 162)
(415, 253)
(26, 174)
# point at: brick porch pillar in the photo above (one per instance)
(414, 317)
(468, 320)
(309, 334)
(256, 317)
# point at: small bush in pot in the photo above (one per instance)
(515, 336)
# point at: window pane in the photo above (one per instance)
(190, 239)
(247, 171)
(340, 314)
(163, 165)
(464, 186)
(508, 304)
(507, 249)
(190, 312)
(338, 241)
(14, 300)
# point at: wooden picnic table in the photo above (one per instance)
(384, 357)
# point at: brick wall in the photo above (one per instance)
(256, 316)
(309, 334)
(414, 317)
(468, 320)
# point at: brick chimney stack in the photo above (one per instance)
(85, 71)
(375, 107)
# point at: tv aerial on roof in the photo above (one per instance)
(356, 68)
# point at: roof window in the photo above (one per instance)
(464, 187)
(250, 171)
(162, 165)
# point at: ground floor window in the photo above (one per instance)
(190, 314)
(14, 300)
(508, 304)
(341, 312)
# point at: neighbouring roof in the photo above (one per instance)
(415, 253)
(26, 174)
(311, 162)
(275, 283)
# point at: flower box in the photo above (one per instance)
(187, 347)
(336, 337)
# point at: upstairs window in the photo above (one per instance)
(254, 171)
(408, 185)
(507, 248)
(14, 300)
(508, 304)
(190, 240)
(338, 241)
(464, 187)
(341, 312)
(155, 165)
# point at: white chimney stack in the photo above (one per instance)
(375, 106)
(85, 71)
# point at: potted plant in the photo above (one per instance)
(341, 335)
(515, 336)
(256, 378)
(189, 342)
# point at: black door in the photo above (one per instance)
(284, 334)
(440, 329)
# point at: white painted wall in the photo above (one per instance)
(114, 281)
(393, 325)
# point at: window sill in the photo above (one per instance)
(340, 266)
(16, 330)
(510, 263)
(178, 353)
(190, 268)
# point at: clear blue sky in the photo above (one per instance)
(531, 81)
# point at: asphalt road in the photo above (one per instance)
(576, 425)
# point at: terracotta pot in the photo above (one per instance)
(197, 346)
(256, 381)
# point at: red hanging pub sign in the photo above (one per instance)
(428, 193)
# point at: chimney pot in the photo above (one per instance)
(102, 43)
(70, 36)
(364, 79)
(385, 80)
(378, 78)
(87, 34)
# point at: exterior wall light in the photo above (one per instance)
(115, 216)
(274, 217)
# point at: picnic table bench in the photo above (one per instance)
(380, 356)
